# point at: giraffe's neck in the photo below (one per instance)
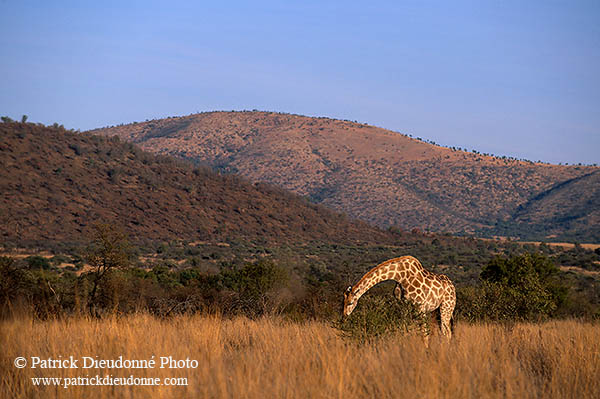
(399, 270)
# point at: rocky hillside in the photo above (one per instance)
(54, 184)
(384, 177)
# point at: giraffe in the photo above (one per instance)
(429, 291)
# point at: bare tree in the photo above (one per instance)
(109, 249)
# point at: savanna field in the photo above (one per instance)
(271, 357)
(309, 200)
(134, 258)
(257, 330)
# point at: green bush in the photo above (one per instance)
(377, 316)
(254, 283)
(497, 302)
(522, 287)
(37, 262)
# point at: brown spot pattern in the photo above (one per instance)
(428, 290)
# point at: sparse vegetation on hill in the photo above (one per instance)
(55, 184)
(384, 177)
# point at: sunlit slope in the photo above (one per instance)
(380, 176)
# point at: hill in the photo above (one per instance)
(55, 183)
(384, 177)
(570, 209)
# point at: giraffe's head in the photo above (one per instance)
(350, 301)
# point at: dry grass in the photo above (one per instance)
(271, 358)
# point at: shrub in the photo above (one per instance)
(497, 302)
(254, 283)
(12, 281)
(522, 287)
(377, 316)
(38, 262)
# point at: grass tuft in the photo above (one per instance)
(271, 357)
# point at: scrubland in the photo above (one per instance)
(274, 358)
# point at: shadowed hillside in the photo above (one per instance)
(54, 184)
(384, 177)
(572, 206)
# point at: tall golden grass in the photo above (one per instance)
(273, 358)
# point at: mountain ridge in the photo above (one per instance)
(383, 177)
(55, 183)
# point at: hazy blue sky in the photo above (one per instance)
(517, 78)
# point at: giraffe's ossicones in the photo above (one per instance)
(429, 291)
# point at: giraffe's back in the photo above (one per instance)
(438, 288)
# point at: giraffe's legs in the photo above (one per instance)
(424, 327)
(445, 317)
(398, 292)
(425, 334)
